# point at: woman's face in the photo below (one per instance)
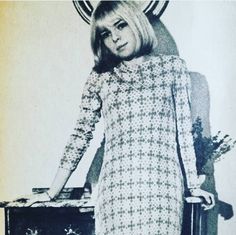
(118, 37)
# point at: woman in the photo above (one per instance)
(145, 104)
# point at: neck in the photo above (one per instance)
(133, 61)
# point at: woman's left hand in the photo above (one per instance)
(209, 199)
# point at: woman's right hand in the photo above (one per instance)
(59, 181)
(29, 200)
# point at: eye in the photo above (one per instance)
(105, 34)
(121, 25)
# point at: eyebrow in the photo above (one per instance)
(103, 28)
(117, 22)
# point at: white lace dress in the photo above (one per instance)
(146, 110)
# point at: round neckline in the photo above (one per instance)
(136, 62)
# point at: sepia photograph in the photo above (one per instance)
(117, 117)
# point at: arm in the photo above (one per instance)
(90, 112)
(181, 93)
(59, 181)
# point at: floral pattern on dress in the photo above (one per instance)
(146, 111)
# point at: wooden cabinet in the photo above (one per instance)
(70, 214)
(49, 221)
(73, 214)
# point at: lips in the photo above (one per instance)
(120, 47)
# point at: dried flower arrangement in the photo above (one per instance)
(209, 148)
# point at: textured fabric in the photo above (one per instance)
(145, 108)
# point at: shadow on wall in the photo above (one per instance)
(200, 104)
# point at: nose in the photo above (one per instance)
(115, 36)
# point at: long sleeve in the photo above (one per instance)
(90, 112)
(181, 90)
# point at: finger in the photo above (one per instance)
(209, 198)
(21, 200)
(210, 207)
(30, 202)
(207, 207)
(213, 200)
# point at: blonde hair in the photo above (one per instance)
(137, 21)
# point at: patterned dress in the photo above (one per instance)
(146, 112)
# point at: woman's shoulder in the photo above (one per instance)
(94, 74)
(166, 59)
(96, 79)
